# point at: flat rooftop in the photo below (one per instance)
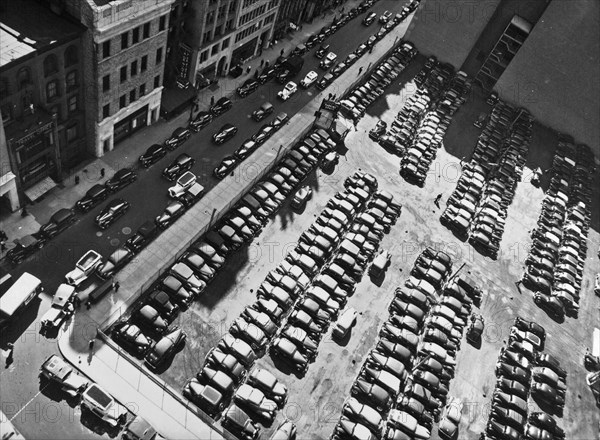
(27, 26)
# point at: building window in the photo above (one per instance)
(204, 56)
(232, 7)
(225, 43)
(146, 30)
(142, 89)
(218, 30)
(106, 83)
(134, 68)
(135, 35)
(157, 81)
(71, 57)
(23, 77)
(123, 74)
(122, 101)
(159, 54)
(215, 49)
(106, 49)
(71, 133)
(124, 40)
(222, 10)
(269, 19)
(229, 25)
(71, 80)
(210, 17)
(206, 37)
(162, 23)
(51, 90)
(106, 111)
(132, 96)
(144, 64)
(72, 103)
(50, 65)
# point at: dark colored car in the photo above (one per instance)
(170, 214)
(201, 120)
(246, 149)
(267, 74)
(114, 262)
(280, 120)
(149, 318)
(24, 247)
(225, 167)
(60, 220)
(339, 69)
(161, 301)
(265, 110)
(221, 106)
(111, 212)
(144, 234)
(180, 165)
(120, 179)
(130, 337)
(321, 51)
(371, 393)
(249, 86)
(178, 137)
(369, 19)
(165, 348)
(93, 196)
(325, 81)
(153, 154)
(225, 133)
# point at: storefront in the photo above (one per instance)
(131, 124)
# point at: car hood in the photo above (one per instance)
(75, 276)
(75, 382)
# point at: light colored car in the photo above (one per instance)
(301, 197)
(328, 61)
(54, 368)
(185, 181)
(268, 384)
(380, 263)
(289, 89)
(344, 323)
(362, 413)
(62, 307)
(256, 401)
(285, 431)
(309, 79)
(84, 267)
(102, 404)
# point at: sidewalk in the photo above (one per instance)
(127, 152)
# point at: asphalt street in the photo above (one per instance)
(41, 413)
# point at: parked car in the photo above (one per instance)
(24, 247)
(263, 111)
(57, 370)
(60, 220)
(206, 397)
(221, 106)
(84, 267)
(301, 197)
(111, 212)
(328, 61)
(120, 179)
(289, 352)
(325, 81)
(179, 136)
(322, 50)
(385, 17)
(143, 235)
(149, 318)
(164, 349)
(255, 400)
(280, 120)
(344, 323)
(249, 86)
(269, 384)
(102, 404)
(180, 165)
(309, 79)
(238, 422)
(153, 154)
(201, 120)
(225, 133)
(92, 197)
(289, 89)
(131, 337)
(173, 211)
(369, 18)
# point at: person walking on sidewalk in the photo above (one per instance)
(262, 63)
(9, 358)
(248, 69)
(360, 69)
(281, 52)
(102, 172)
(437, 200)
(91, 344)
(212, 100)
(116, 286)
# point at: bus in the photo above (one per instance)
(16, 298)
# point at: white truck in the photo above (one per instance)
(185, 181)
(84, 268)
(62, 308)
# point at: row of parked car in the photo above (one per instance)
(520, 361)
(554, 266)
(188, 277)
(478, 206)
(356, 101)
(403, 384)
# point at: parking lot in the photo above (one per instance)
(315, 400)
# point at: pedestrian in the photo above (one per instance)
(2, 245)
(329, 96)
(437, 200)
(88, 304)
(371, 49)
(256, 74)
(333, 97)
(3, 235)
(102, 172)
(24, 212)
(116, 286)
(262, 62)
(266, 64)
(77, 302)
(212, 101)
(91, 344)
(122, 419)
(76, 180)
(281, 52)
(9, 358)
(360, 69)
(248, 69)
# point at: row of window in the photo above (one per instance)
(248, 31)
(50, 65)
(134, 94)
(214, 50)
(252, 15)
(208, 36)
(53, 90)
(133, 36)
(248, 3)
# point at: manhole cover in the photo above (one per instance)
(126, 230)
(115, 242)
(99, 234)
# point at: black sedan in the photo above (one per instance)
(111, 212)
(170, 214)
(249, 86)
(267, 74)
(225, 167)
(201, 120)
(121, 179)
(225, 133)
(221, 106)
(93, 196)
(24, 247)
(325, 81)
(180, 165)
(130, 337)
(153, 154)
(246, 149)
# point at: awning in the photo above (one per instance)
(40, 188)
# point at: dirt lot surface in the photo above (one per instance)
(315, 401)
